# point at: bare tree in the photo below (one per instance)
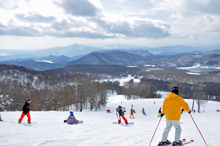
(198, 95)
(182, 87)
(5, 91)
(79, 81)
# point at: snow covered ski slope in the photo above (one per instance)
(97, 128)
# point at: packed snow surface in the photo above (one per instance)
(98, 130)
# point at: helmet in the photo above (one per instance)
(71, 112)
(175, 90)
(119, 107)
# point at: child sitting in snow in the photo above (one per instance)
(71, 119)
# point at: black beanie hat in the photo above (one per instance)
(175, 90)
(28, 100)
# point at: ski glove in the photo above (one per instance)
(161, 115)
(189, 112)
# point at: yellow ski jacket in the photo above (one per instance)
(172, 105)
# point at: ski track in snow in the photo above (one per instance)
(98, 130)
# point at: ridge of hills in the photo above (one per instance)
(117, 57)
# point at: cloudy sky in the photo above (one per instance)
(40, 24)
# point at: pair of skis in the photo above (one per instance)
(25, 123)
(129, 123)
(184, 142)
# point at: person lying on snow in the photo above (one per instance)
(108, 111)
(71, 119)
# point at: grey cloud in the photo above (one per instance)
(78, 7)
(122, 28)
(18, 31)
(139, 29)
(211, 6)
(63, 25)
(91, 35)
(148, 30)
(34, 17)
(63, 29)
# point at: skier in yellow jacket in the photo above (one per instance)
(171, 108)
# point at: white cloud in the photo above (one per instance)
(110, 21)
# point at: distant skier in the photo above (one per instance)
(143, 112)
(119, 114)
(172, 108)
(124, 111)
(159, 112)
(132, 112)
(108, 111)
(71, 119)
(26, 111)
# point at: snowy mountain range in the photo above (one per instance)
(64, 56)
(124, 58)
(76, 49)
(110, 58)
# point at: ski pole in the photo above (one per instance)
(155, 131)
(198, 129)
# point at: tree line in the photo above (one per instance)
(53, 92)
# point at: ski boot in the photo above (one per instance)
(164, 142)
(19, 121)
(177, 143)
(29, 122)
